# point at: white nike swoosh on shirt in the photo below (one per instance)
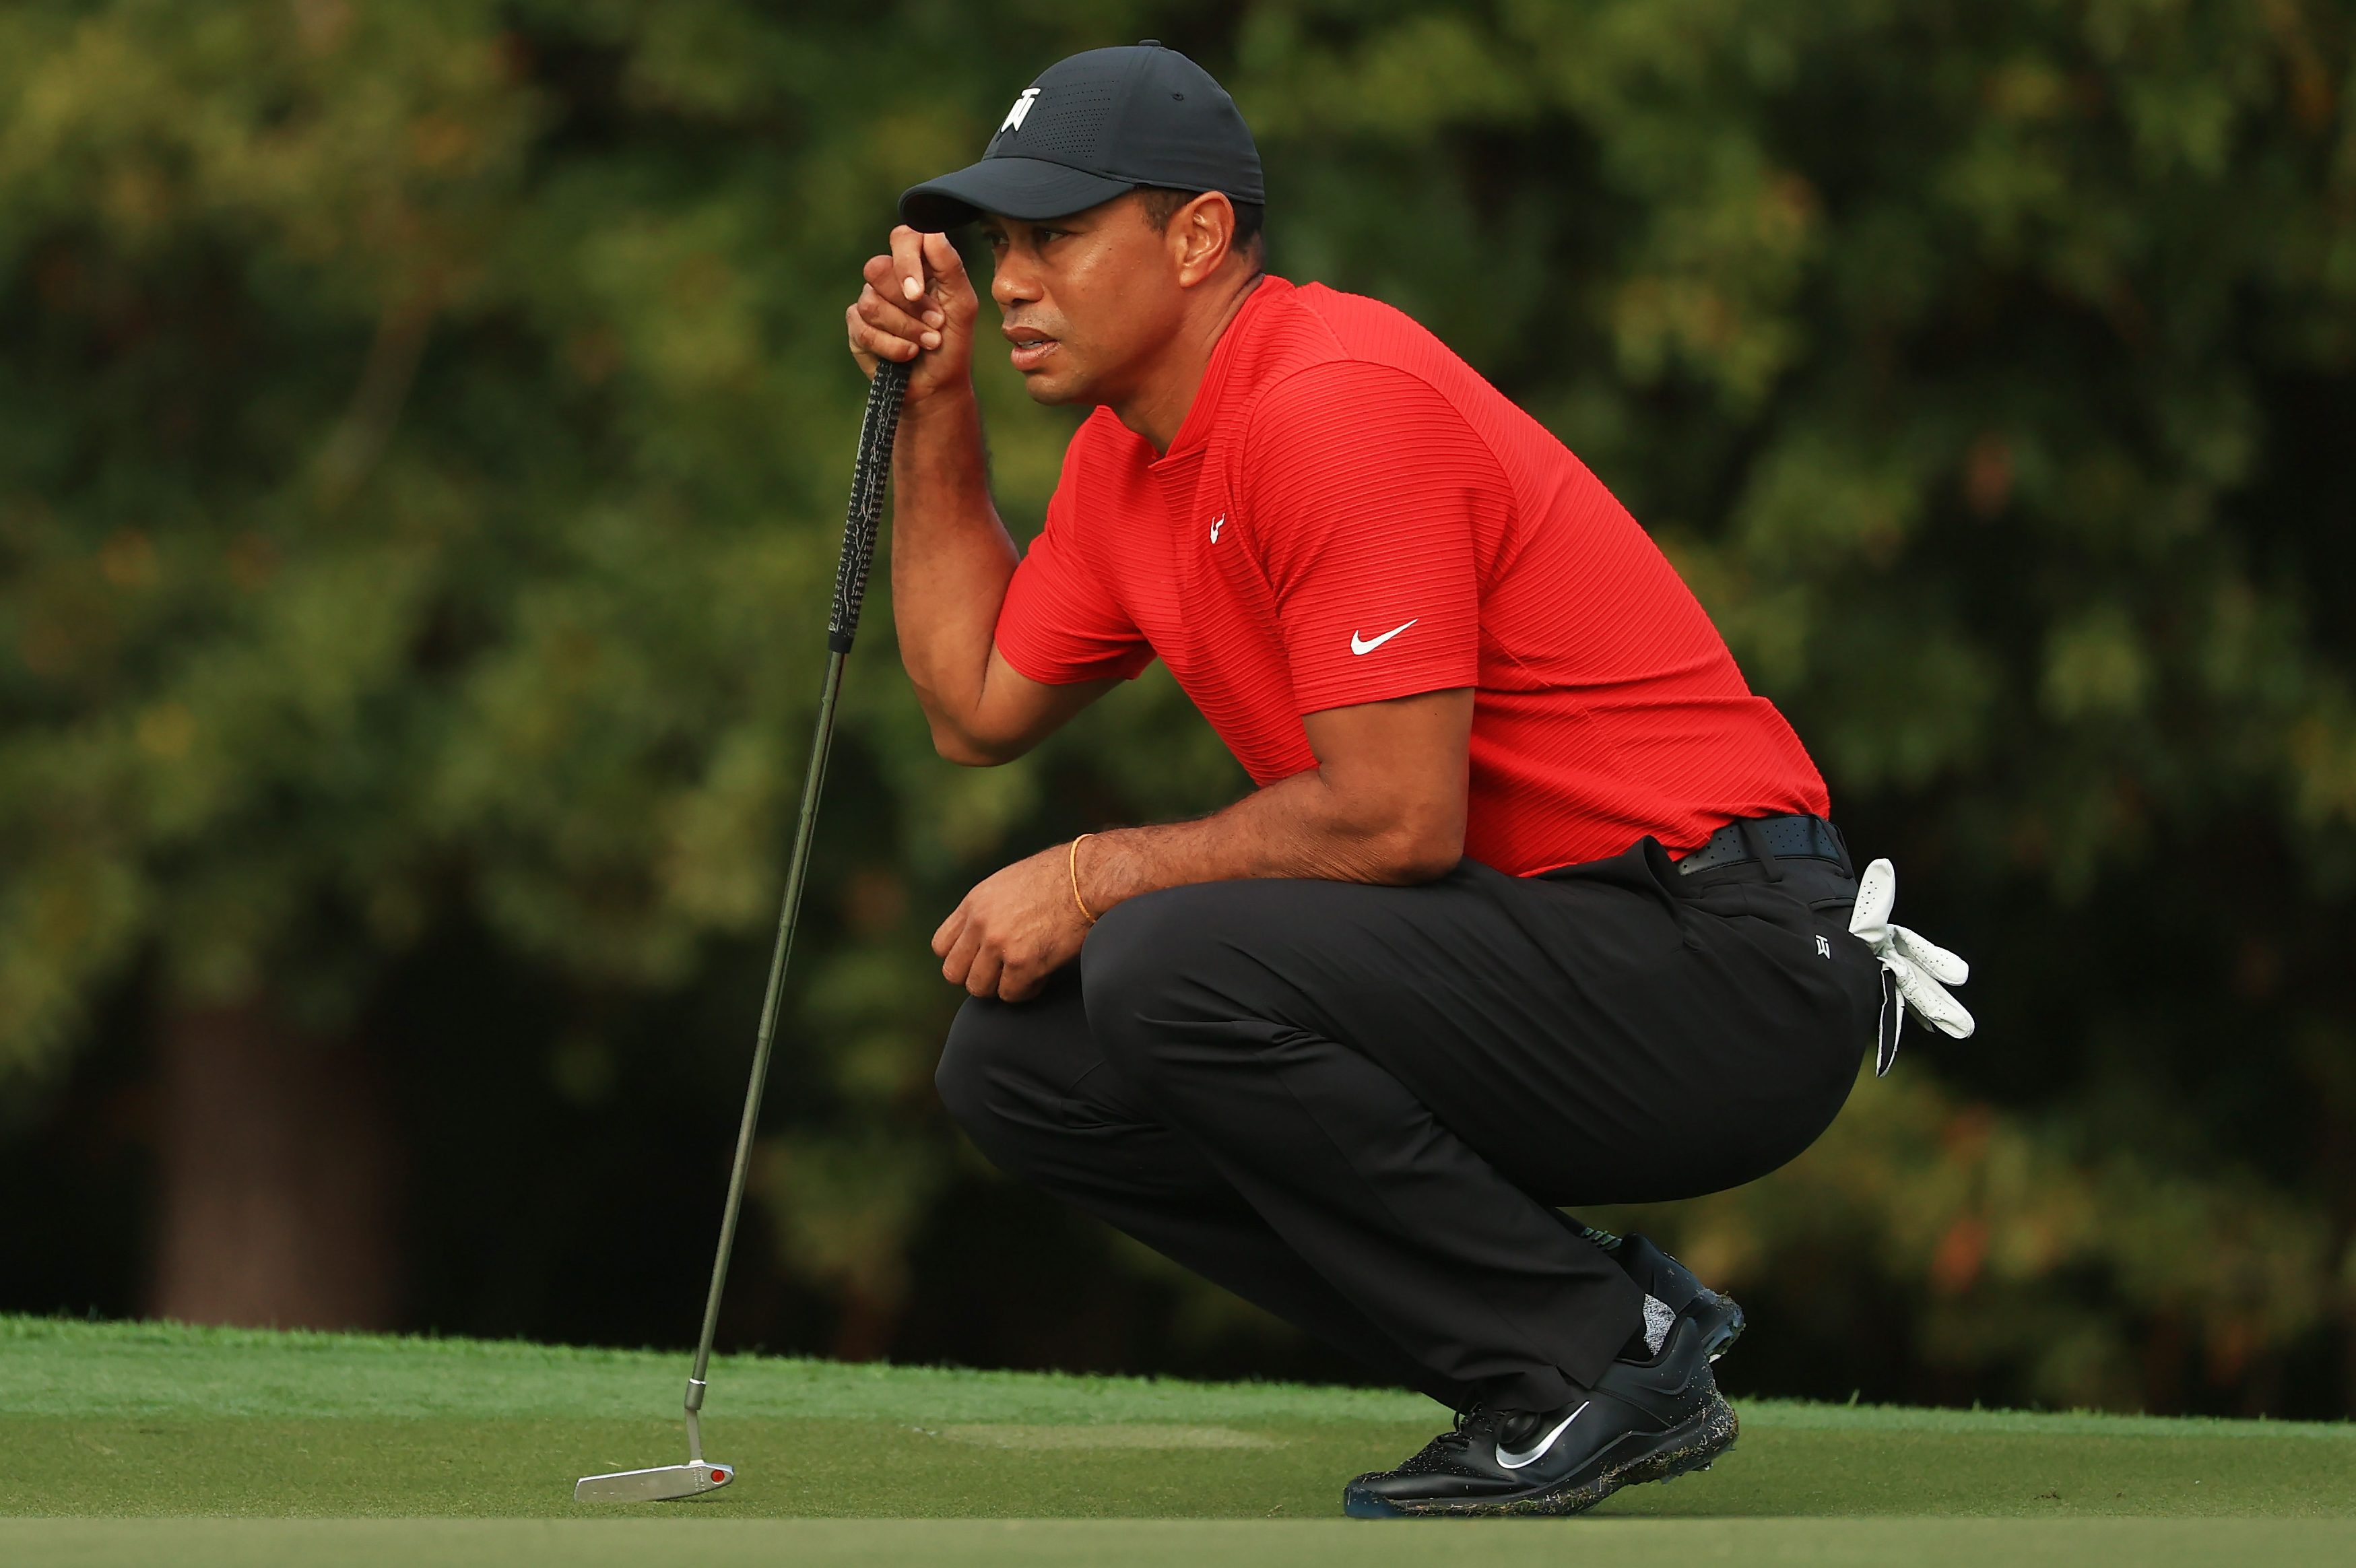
(1367, 644)
(1516, 1461)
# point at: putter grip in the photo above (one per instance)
(884, 390)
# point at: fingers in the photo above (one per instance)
(968, 958)
(916, 301)
(880, 327)
(883, 276)
(915, 323)
(867, 345)
(908, 279)
(922, 271)
(954, 944)
(945, 934)
(957, 964)
(941, 258)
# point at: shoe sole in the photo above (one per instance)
(1690, 1445)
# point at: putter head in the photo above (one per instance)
(663, 1483)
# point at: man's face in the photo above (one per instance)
(1088, 299)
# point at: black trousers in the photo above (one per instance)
(1361, 1107)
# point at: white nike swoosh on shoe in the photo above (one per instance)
(1516, 1461)
(1367, 644)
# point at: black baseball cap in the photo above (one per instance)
(1094, 126)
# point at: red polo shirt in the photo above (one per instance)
(1349, 513)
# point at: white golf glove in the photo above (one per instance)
(1916, 967)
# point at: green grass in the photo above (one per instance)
(369, 1439)
(1592, 1542)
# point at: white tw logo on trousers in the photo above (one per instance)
(1015, 116)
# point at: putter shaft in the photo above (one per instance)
(861, 523)
(797, 868)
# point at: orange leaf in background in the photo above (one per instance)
(1955, 1263)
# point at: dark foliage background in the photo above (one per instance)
(421, 433)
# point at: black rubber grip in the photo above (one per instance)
(859, 524)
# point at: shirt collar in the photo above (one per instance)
(1234, 349)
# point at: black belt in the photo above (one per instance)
(1785, 838)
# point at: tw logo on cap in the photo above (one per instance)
(1015, 116)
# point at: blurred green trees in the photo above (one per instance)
(421, 433)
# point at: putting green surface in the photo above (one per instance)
(354, 1449)
(1594, 1542)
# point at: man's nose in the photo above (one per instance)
(1013, 282)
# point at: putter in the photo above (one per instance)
(698, 1476)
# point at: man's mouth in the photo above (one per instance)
(1031, 347)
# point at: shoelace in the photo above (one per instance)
(1912, 966)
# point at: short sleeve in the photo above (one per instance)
(1058, 623)
(1367, 494)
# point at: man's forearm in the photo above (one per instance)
(951, 559)
(1386, 803)
(1298, 826)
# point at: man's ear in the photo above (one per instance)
(1201, 234)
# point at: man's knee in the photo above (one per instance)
(969, 1077)
(1008, 1069)
(1124, 962)
(1143, 961)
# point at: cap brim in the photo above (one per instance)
(1028, 188)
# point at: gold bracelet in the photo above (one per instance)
(1085, 914)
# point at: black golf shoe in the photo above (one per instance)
(1673, 1285)
(1644, 1421)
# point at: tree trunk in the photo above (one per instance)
(277, 1164)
